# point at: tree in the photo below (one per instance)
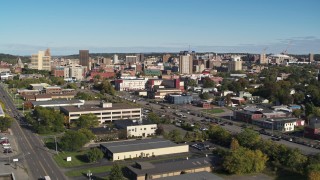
(88, 133)
(208, 83)
(160, 130)
(46, 120)
(84, 96)
(73, 141)
(248, 138)
(175, 135)
(94, 155)
(153, 117)
(243, 161)
(204, 95)
(116, 173)
(72, 86)
(188, 137)
(5, 123)
(87, 121)
(27, 105)
(219, 135)
(313, 171)
(234, 144)
(297, 113)
(192, 83)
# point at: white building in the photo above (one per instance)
(115, 59)
(135, 128)
(74, 71)
(105, 112)
(235, 64)
(130, 84)
(185, 64)
(6, 75)
(41, 61)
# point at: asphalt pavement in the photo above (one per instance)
(38, 159)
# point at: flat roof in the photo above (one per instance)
(138, 145)
(194, 176)
(97, 107)
(53, 102)
(173, 166)
(126, 123)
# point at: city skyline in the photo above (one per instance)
(160, 26)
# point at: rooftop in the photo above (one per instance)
(125, 123)
(55, 102)
(194, 176)
(173, 166)
(138, 145)
(115, 106)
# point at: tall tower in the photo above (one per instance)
(263, 59)
(84, 57)
(185, 64)
(235, 64)
(115, 59)
(311, 57)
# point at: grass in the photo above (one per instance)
(94, 170)
(213, 111)
(77, 159)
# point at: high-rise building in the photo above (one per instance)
(235, 64)
(84, 57)
(166, 58)
(185, 64)
(131, 59)
(41, 61)
(311, 57)
(263, 59)
(115, 59)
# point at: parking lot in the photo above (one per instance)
(8, 145)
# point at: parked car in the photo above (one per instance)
(7, 151)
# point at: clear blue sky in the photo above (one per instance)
(66, 26)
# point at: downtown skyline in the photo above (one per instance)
(160, 26)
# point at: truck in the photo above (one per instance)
(46, 178)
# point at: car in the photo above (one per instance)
(230, 123)
(3, 138)
(147, 104)
(6, 144)
(7, 151)
(275, 139)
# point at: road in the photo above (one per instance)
(36, 157)
(189, 117)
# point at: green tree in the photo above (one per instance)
(116, 173)
(57, 80)
(153, 117)
(87, 121)
(204, 95)
(175, 135)
(94, 155)
(73, 141)
(297, 113)
(88, 133)
(234, 144)
(248, 138)
(243, 161)
(72, 86)
(192, 83)
(188, 137)
(208, 83)
(219, 135)
(84, 96)
(46, 120)
(5, 123)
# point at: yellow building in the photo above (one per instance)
(41, 61)
(121, 150)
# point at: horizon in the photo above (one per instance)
(160, 26)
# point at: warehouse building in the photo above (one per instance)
(142, 148)
(147, 170)
(105, 111)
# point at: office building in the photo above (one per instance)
(130, 84)
(41, 61)
(235, 64)
(115, 59)
(142, 148)
(263, 59)
(185, 64)
(137, 128)
(84, 57)
(105, 111)
(311, 57)
(131, 59)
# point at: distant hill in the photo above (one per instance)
(12, 59)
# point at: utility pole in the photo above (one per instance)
(55, 140)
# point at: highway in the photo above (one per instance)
(37, 159)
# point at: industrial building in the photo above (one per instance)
(179, 99)
(58, 103)
(122, 150)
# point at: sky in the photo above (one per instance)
(110, 26)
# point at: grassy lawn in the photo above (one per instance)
(213, 111)
(94, 170)
(77, 159)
